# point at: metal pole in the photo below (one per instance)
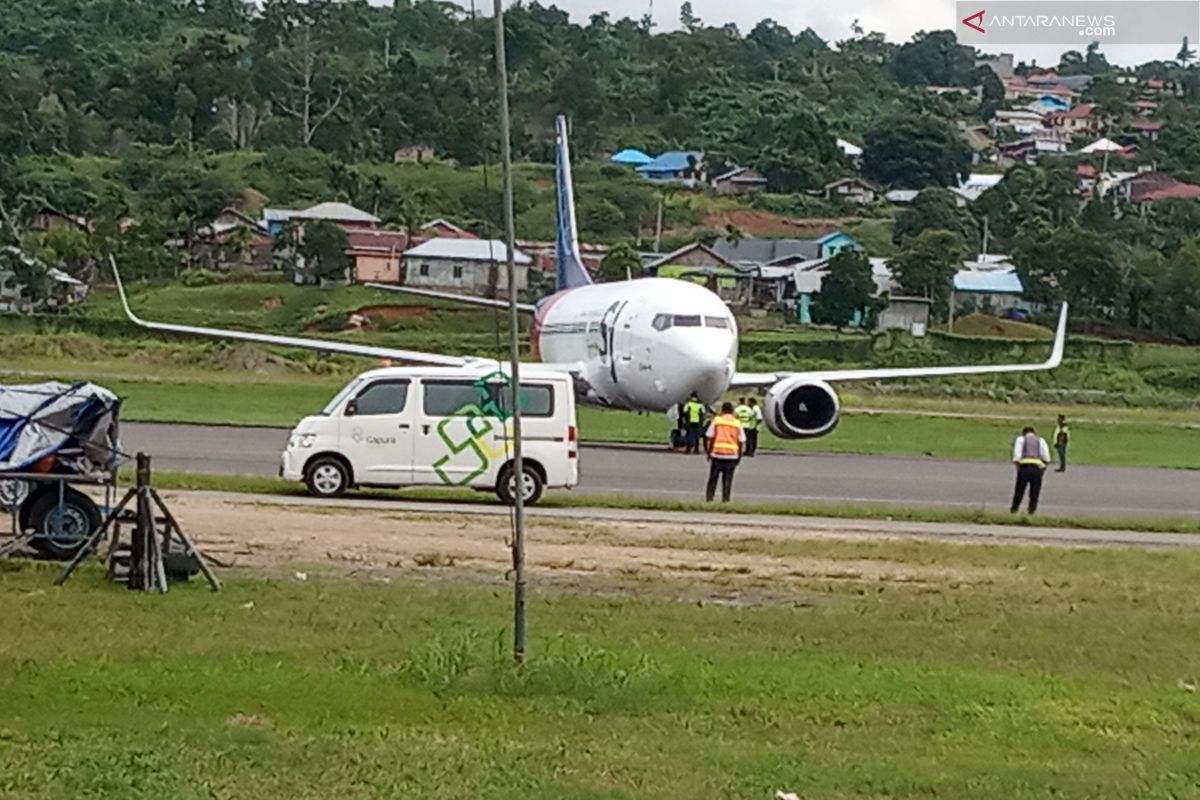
(514, 351)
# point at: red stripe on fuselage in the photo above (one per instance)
(539, 316)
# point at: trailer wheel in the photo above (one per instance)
(326, 476)
(531, 487)
(62, 528)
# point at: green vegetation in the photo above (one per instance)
(1000, 673)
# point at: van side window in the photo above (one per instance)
(449, 398)
(381, 397)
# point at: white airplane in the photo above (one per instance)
(642, 345)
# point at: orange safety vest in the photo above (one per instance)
(727, 435)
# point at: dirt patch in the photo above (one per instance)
(368, 318)
(272, 303)
(277, 538)
(387, 312)
(248, 358)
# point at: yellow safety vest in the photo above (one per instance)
(727, 436)
(694, 411)
(745, 415)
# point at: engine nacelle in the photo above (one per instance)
(798, 408)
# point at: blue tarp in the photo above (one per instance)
(77, 423)
(631, 157)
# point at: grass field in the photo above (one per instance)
(997, 672)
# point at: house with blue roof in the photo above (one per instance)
(675, 165)
(989, 283)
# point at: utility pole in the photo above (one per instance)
(658, 226)
(514, 349)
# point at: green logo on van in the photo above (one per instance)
(470, 426)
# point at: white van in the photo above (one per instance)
(439, 426)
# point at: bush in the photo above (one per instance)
(204, 277)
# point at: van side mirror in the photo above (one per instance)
(351, 408)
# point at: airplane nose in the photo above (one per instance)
(708, 368)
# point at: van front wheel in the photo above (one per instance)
(531, 487)
(327, 476)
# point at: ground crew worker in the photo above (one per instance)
(726, 441)
(756, 418)
(742, 412)
(1062, 436)
(693, 415)
(1030, 454)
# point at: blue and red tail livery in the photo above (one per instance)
(571, 272)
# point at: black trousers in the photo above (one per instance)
(1062, 457)
(1028, 475)
(694, 433)
(751, 441)
(722, 469)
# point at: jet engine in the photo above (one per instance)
(800, 408)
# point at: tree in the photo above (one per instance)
(934, 58)
(70, 249)
(687, 17)
(1185, 54)
(324, 251)
(299, 74)
(991, 92)
(1074, 264)
(915, 152)
(848, 290)
(926, 265)
(1179, 297)
(934, 209)
(1095, 62)
(620, 262)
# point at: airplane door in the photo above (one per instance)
(624, 342)
(376, 433)
(615, 329)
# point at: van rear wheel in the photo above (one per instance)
(532, 486)
(326, 476)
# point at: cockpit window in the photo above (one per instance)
(663, 322)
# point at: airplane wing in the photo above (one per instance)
(344, 348)
(469, 299)
(753, 379)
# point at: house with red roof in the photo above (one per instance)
(1146, 128)
(1150, 187)
(1082, 120)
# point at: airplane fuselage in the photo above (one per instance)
(644, 345)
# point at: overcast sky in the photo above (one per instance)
(899, 19)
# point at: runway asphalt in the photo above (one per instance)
(767, 478)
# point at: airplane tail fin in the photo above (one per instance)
(570, 269)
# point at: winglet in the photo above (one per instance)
(121, 291)
(1060, 339)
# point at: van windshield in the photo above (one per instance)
(340, 397)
